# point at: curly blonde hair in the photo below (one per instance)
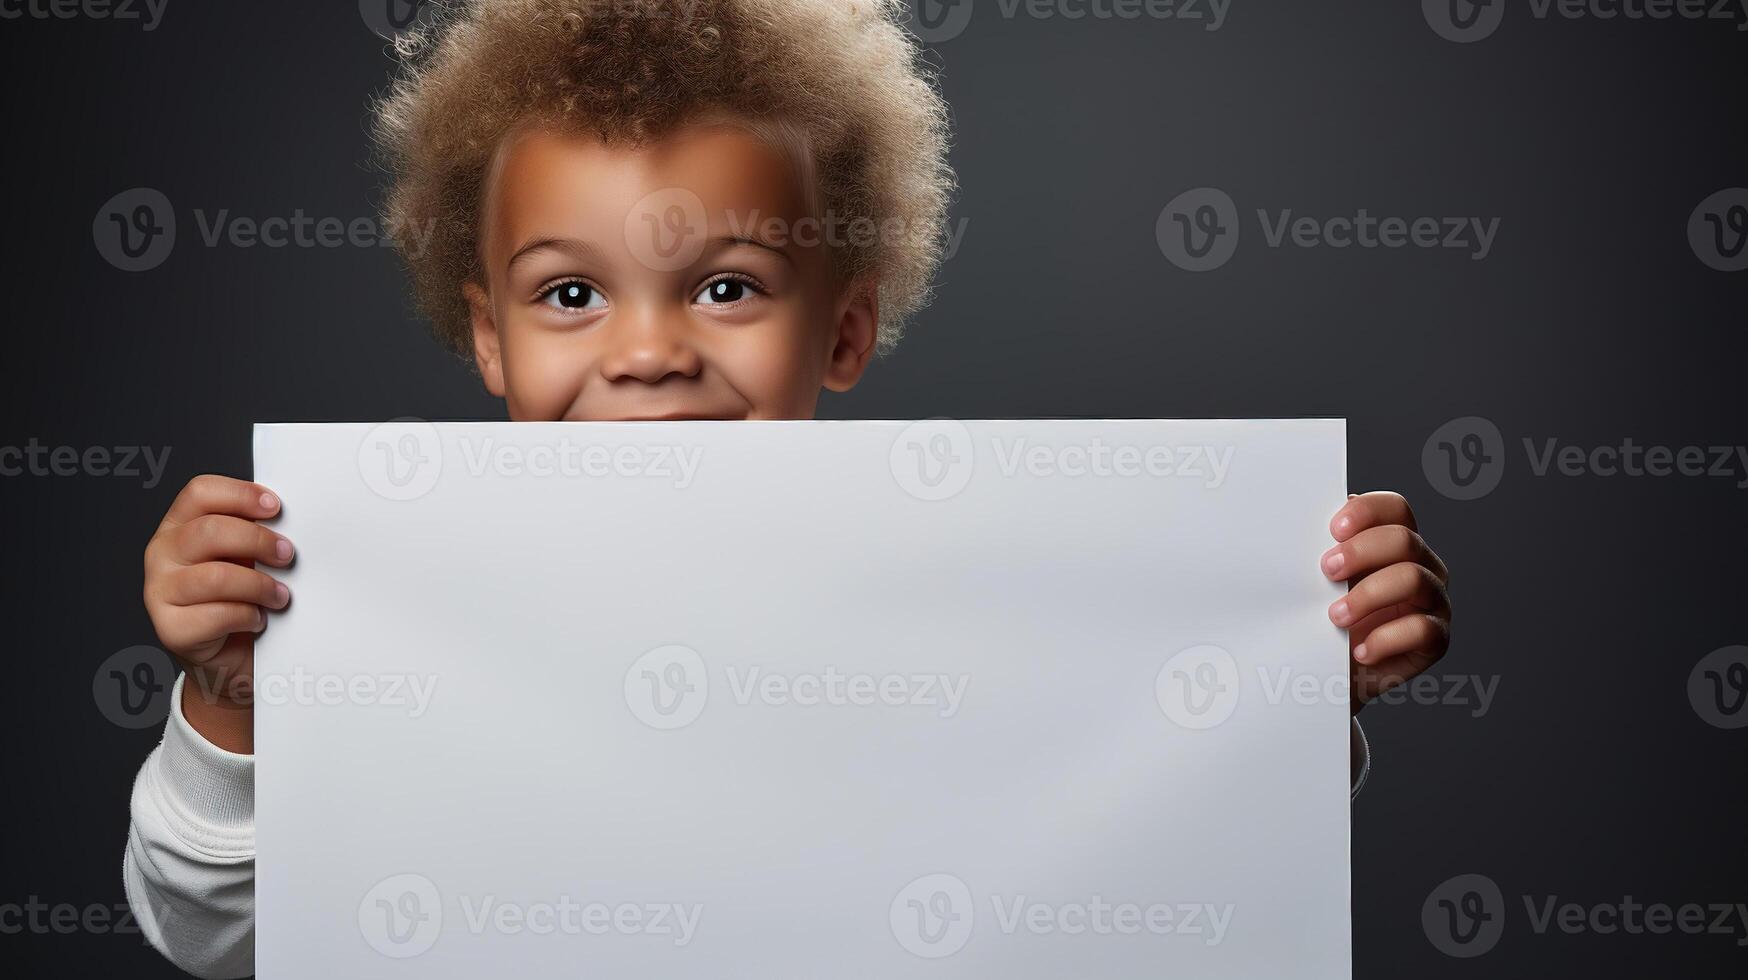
(843, 74)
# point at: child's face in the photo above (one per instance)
(579, 319)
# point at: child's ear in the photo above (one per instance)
(858, 324)
(486, 352)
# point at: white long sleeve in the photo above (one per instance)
(189, 868)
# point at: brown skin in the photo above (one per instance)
(571, 324)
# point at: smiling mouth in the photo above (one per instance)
(674, 417)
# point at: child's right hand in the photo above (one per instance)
(207, 601)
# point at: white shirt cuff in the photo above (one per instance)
(214, 787)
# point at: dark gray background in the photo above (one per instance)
(1588, 599)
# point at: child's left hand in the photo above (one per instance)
(1397, 610)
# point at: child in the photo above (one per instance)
(637, 210)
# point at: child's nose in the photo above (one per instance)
(648, 349)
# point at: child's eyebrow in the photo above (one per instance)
(721, 242)
(574, 247)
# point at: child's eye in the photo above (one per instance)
(728, 289)
(573, 294)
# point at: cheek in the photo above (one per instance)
(778, 367)
(541, 378)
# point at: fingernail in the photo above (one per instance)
(1345, 522)
(1340, 612)
(1359, 653)
(282, 549)
(1333, 560)
(260, 620)
(269, 501)
(281, 595)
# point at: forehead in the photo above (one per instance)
(576, 185)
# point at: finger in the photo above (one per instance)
(211, 494)
(1405, 582)
(1374, 509)
(1380, 547)
(214, 537)
(1420, 633)
(223, 581)
(195, 632)
(1357, 633)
